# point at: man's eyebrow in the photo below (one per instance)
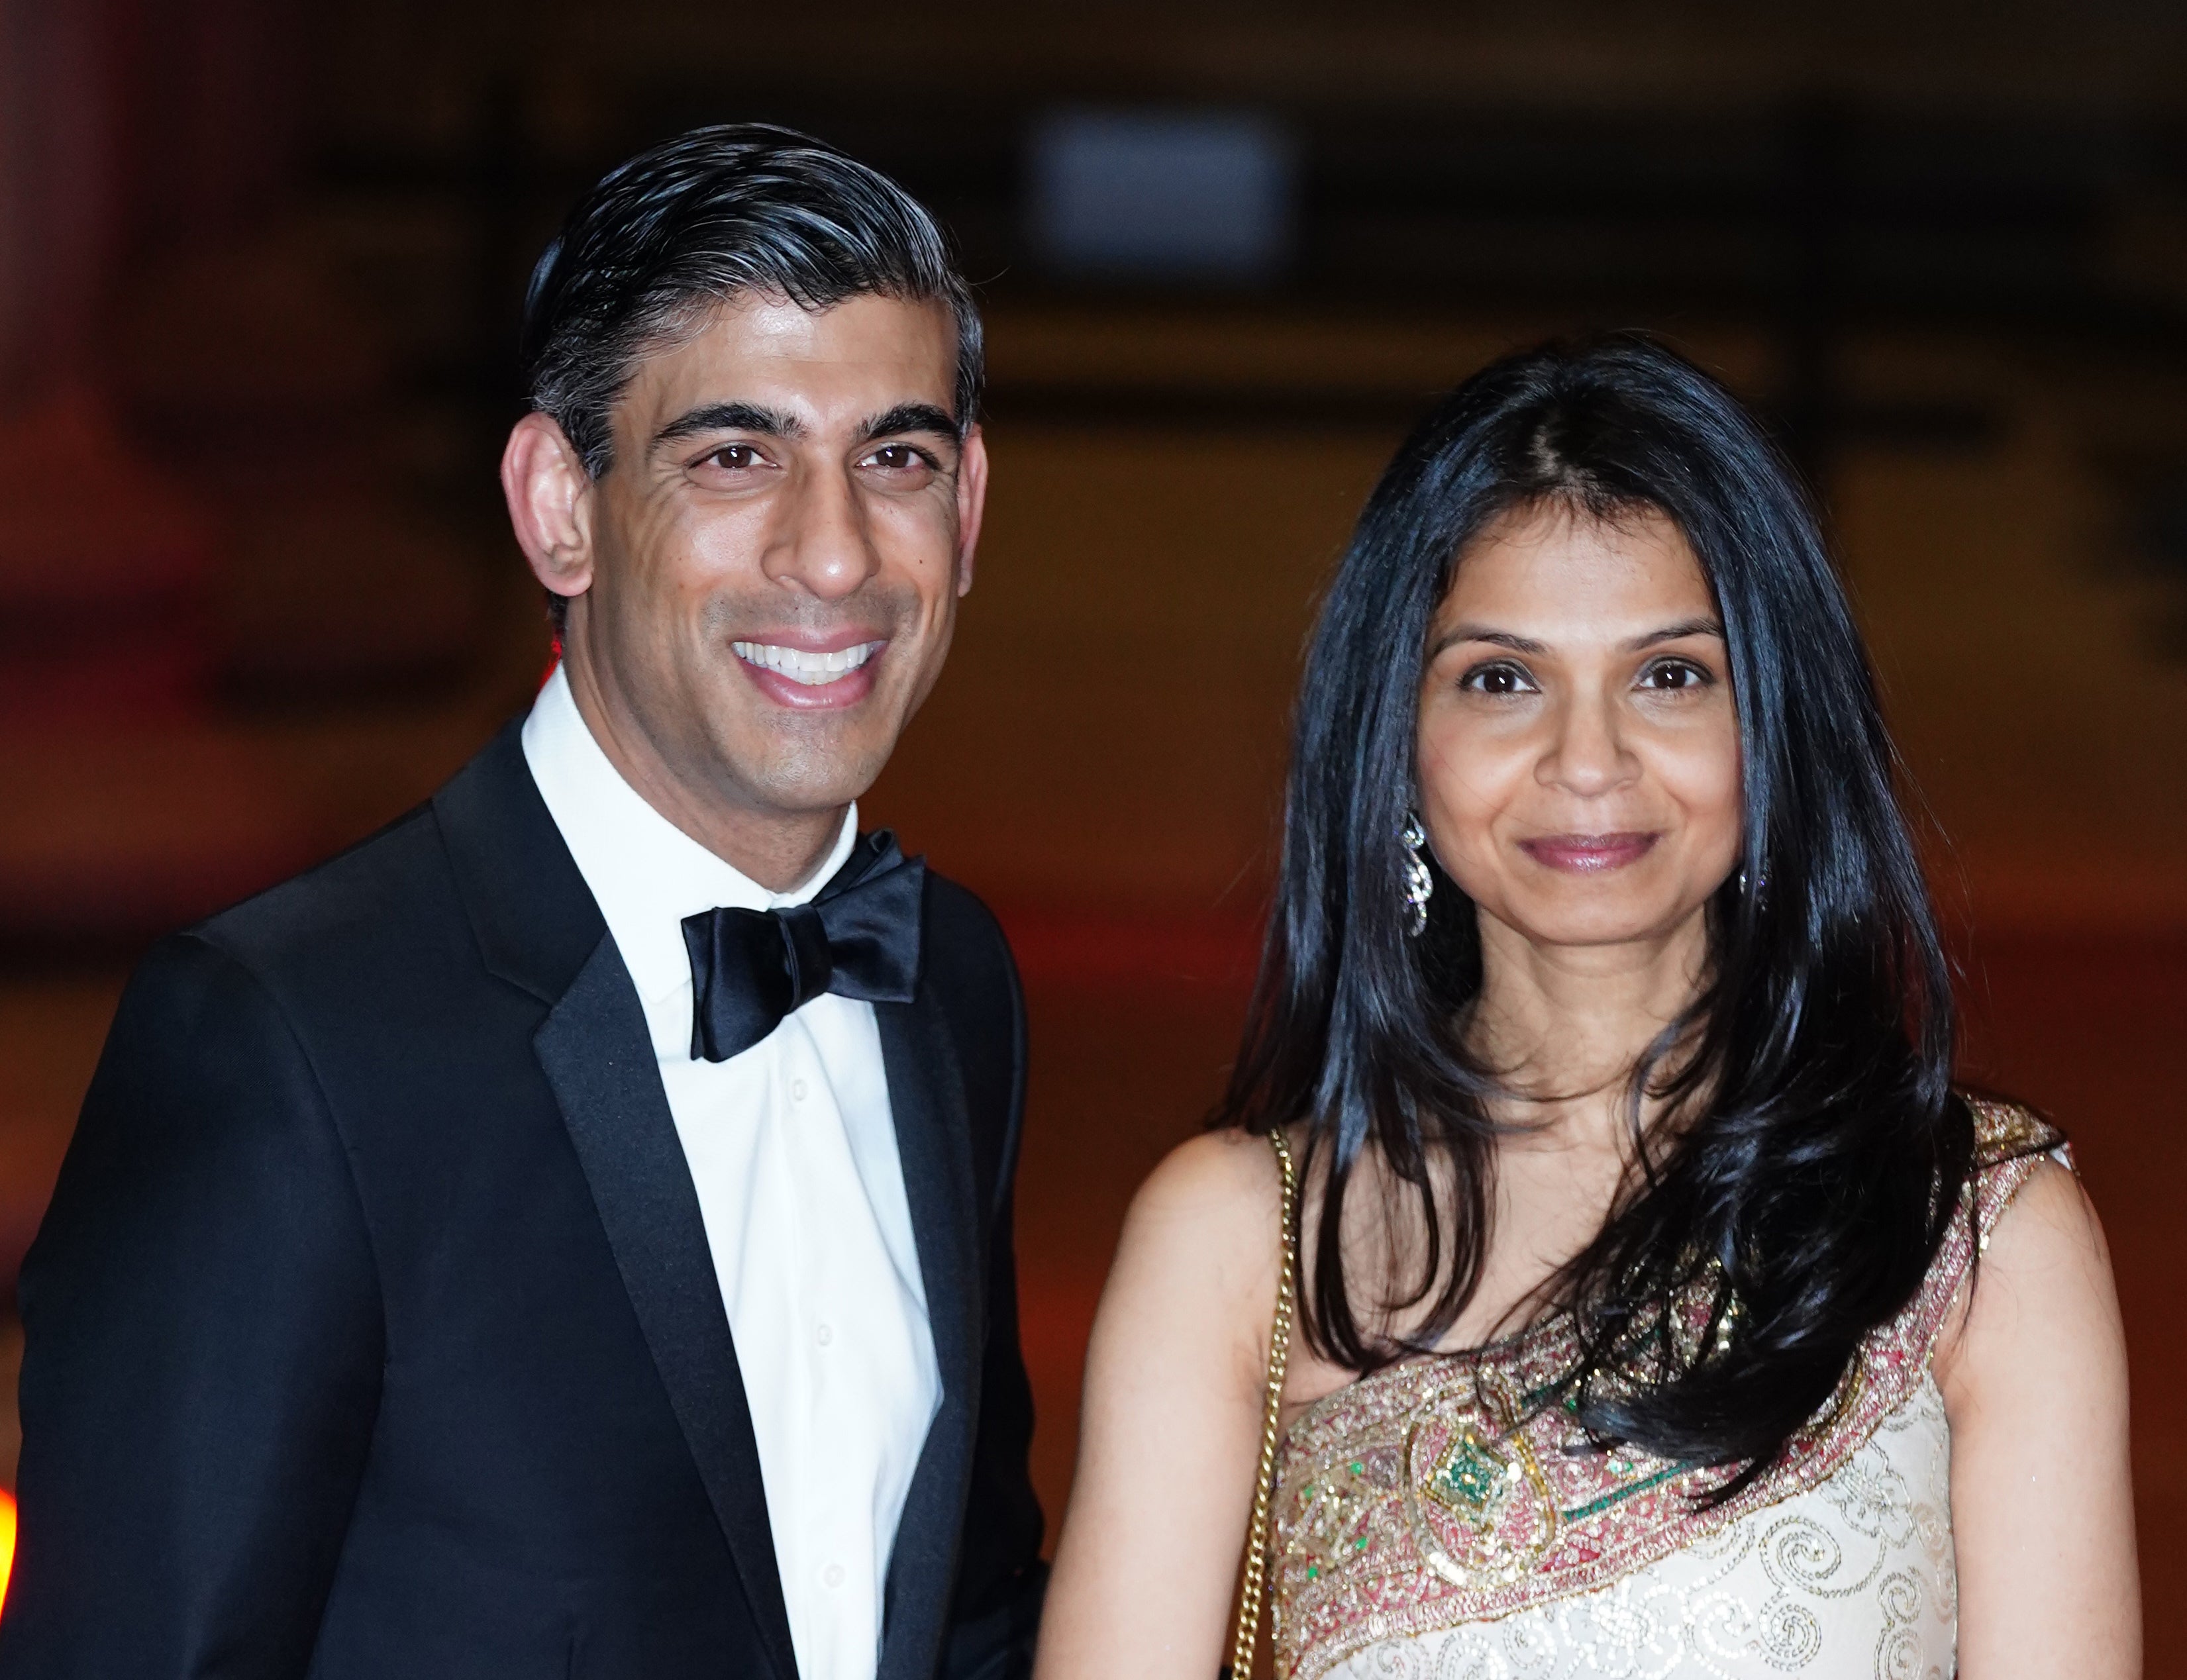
(1481, 633)
(731, 416)
(905, 417)
(1672, 632)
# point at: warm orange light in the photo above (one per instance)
(6, 1542)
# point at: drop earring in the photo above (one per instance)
(1418, 884)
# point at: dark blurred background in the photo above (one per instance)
(259, 270)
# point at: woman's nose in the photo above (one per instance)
(1586, 754)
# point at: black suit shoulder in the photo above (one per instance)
(225, 1062)
(968, 961)
(374, 960)
(393, 887)
(217, 1065)
(967, 940)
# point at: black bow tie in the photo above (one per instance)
(858, 938)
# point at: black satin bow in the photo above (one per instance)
(858, 938)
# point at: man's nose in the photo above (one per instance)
(821, 545)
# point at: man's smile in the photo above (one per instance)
(803, 666)
(813, 677)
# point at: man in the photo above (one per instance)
(569, 1233)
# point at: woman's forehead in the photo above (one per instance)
(1553, 565)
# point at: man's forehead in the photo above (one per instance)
(840, 362)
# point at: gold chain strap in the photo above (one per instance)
(1279, 1348)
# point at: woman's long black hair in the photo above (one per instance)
(1809, 1150)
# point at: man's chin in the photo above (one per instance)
(804, 759)
(812, 771)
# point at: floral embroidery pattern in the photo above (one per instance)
(1436, 1518)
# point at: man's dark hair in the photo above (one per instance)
(740, 207)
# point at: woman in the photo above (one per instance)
(1603, 1012)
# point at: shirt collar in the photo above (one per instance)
(645, 872)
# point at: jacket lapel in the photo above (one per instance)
(926, 1093)
(599, 1059)
(538, 928)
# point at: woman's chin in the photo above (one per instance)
(1598, 921)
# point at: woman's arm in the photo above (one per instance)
(1169, 1437)
(2034, 1383)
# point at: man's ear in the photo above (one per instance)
(971, 503)
(550, 504)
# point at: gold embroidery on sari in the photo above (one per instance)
(1459, 1489)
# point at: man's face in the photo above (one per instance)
(778, 546)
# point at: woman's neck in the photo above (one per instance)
(1565, 1025)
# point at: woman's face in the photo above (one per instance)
(1578, 745)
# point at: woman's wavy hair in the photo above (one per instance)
(1809, 1152)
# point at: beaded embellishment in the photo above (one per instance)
(1460, 1489)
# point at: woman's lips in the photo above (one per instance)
(1588, 854)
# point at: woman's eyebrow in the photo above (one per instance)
(1481, 633)
(1672, 632)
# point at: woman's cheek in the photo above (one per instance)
(1705, 782)
(1461, 819)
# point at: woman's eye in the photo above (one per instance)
(1673, 677)
(1496, 679)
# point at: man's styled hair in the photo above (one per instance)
(735, 208)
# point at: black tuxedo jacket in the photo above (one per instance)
(372, 1331)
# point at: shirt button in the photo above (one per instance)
(823, 1336)
(796, 1090)
(833, 1575)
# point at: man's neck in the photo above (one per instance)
(779, 850)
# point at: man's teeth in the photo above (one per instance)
(800, 666)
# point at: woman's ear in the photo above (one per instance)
(550, 504)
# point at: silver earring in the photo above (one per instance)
(1418, 884)
(1761, 886)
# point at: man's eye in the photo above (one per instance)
(899, 457)
(1496, 679)
(735, 456)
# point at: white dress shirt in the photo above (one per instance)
(792, 1149)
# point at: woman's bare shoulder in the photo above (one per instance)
(2049, 1217)
(1226, 1175)
(2043, 1287)
(2046, 1240)
(1207, 1224)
